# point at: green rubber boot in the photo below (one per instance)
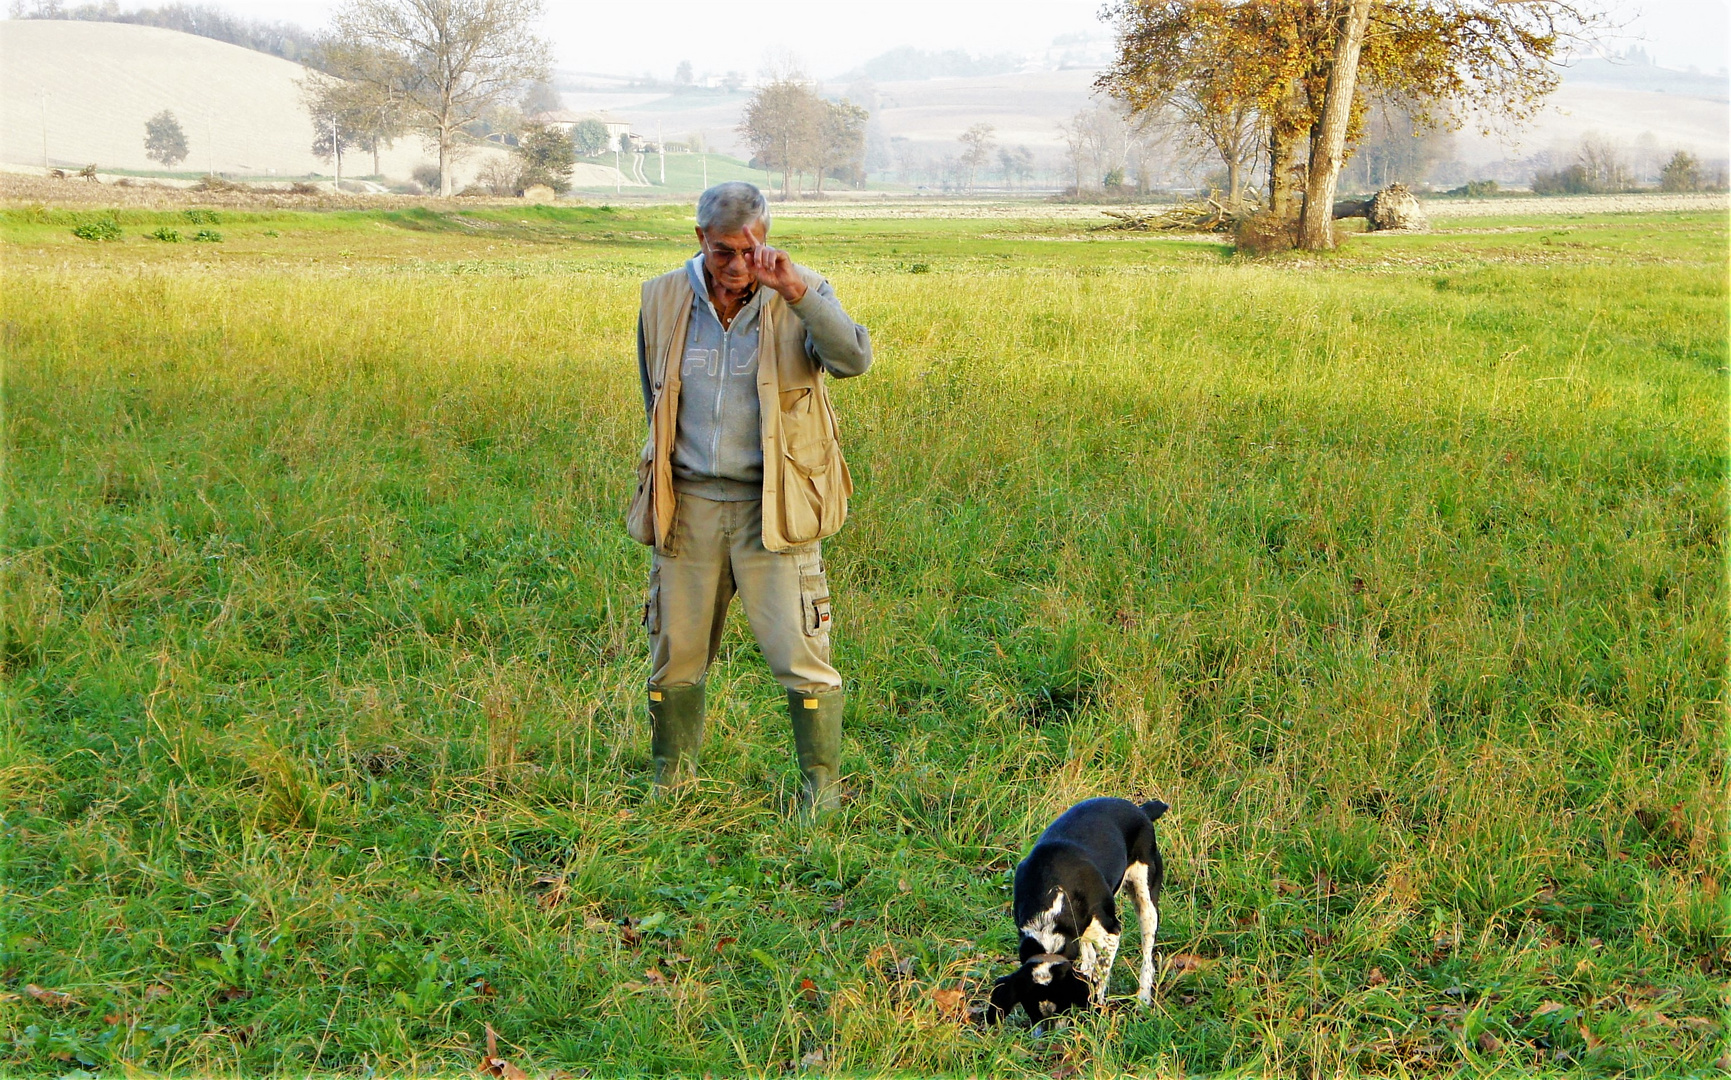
(675, 734)
(817, 739)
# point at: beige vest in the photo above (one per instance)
(806, 483)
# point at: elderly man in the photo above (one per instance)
(741, 477)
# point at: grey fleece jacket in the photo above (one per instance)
(718, 453)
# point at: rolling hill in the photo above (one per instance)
(87, 88)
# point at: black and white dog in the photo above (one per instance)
(1064, 907)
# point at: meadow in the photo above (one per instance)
(1398, 572)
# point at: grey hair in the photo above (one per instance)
(732, 207)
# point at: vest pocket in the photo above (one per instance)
(810, 503)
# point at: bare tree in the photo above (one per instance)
(447, 62)
(1078, 141)
(978, 144)
(366, 113)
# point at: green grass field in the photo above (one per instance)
(1399, 573)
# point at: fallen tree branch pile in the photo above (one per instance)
(1207, 215)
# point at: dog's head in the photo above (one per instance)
(1044, 986)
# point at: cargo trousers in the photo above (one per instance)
(720, 553)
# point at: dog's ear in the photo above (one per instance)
(1154, 808)
(1003, 999)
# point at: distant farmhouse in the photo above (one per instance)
(619, 135)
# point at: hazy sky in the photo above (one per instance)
(830, 36)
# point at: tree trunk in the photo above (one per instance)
(1328, 146)
(1234, 182)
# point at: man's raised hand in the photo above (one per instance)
(772, 267)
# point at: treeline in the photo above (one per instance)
(908, 64)
(275, 39)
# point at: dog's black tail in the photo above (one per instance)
(1154, 808)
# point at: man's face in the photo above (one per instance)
(727, 256)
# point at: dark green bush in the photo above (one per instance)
(101, 229)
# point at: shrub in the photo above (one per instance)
(207, 236)
(1570, 181)
(101, 229)
(167, 235)
(427, 176)
(202, 217)
(501, 176)
(1264, 233)
(213, 182)
(1476, 189)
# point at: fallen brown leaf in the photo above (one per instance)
(1698, 1023)
(1185, 963)
(1285, 887)
(843, 924)
(226, 928)
(114, 1019)
(482, 988)
(1489, 1044)
(653, 977)
(1376, 977)
(808, 989)
(724, 942)
(835, 906)
(493, 1064)
(812, 1059)
(1593, 1041)
(234, 993)
(950, 1002)
(1064, 1072)
(1548, 1008)
(156, 990)
(57, 999)
(499, 1067)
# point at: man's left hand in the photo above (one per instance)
(772, 267)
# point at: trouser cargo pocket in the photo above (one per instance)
(813, 596)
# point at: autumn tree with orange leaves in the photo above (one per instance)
(1225, 67)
